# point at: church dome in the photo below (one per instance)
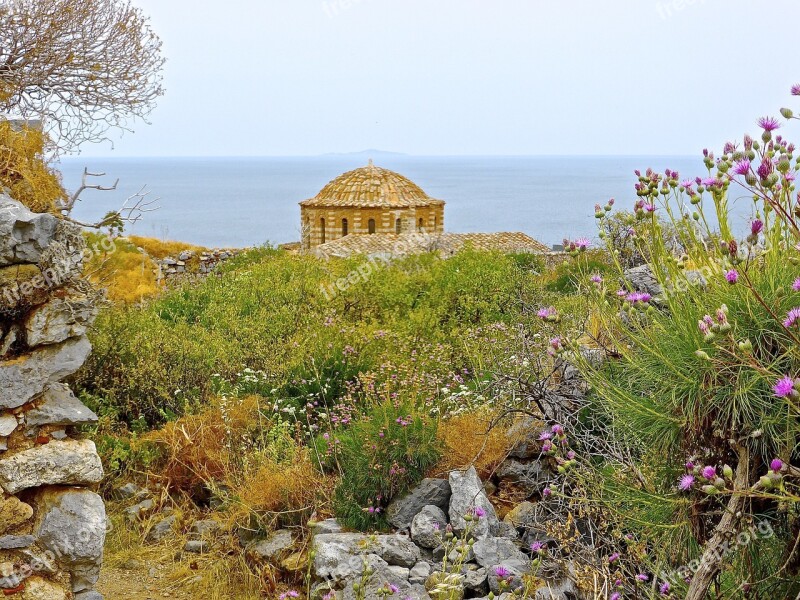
(371, 187)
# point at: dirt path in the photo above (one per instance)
(136, 584)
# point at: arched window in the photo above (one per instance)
(398, 226)
(371, 226)
(421, 224)
(322, 230)
(344, 227)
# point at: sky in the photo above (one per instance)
(463, 77)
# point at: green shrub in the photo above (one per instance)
(378, 458)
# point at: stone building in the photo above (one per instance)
(369, 200)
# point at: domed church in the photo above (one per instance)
(369, 200)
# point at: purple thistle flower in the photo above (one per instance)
(615, 596)
(557, 429)
(547, 313)
(546, 492)
(501, 572)
(537, 547)
(642, 577)
(732, 276)
(614, 557)
(664, 589)
(756, 227)
(596, 279)
(796, 89)
(710, 472)
(742, 167)
(545, 435)
(686, 482)
(393, 589)
(766, 168)
(792, 317)
(796, 285)
(776, 465)
(784, 387)
(571, 454)
(704, 327)
(636, 297)
(479, 512)
(769, 123)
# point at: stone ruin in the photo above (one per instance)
(52, 523)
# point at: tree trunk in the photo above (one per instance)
(719, 544)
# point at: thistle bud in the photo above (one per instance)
(727, 471)
(710, 490)
(719, 483)
(702, 355)
(787, 113)
(765, 482)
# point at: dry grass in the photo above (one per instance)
(471, 439)
(160, 249)
(127, 274)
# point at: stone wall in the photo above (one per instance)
(52, 525)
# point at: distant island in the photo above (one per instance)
(372, 153)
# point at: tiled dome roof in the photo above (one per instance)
(373, 187)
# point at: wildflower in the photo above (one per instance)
(742, 167)
(615, 596)
(769, 123)
(664, 589)
(596, 279)
(548, 314)
(709, 472)
(478, 512)
(732, 276)
(545, 435)
(501, 572)
(796, 89)
(792, 317)
(582, 243)
(557, 430)
(638, 297)
(686, 482)
(776, 465)
(704, 327)
(651, 208)
(289, 594)
(614, 557)
(756, 227)
(393, 589)
(537, 547)
(571, 455)
(642, 577)
(784, 387)
(546, 492)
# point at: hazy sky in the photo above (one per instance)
(297, 77)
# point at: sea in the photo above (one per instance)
(237, 202)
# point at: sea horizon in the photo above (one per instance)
(249, 201)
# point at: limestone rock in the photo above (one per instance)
(419, 573)
(274, 546)
(37, 588)
(90, 595)
(72, 525)
(383, 574)
(467, 495)
(204, 529)
(59, 406)
(476, 579)
(197, 546)
(136, 511)
(524, 434)
(131, 491)
(338, 556)
(25, 377)
(71, 462)
(428, 526)
(24, 234)
(8, 423)
(529, 477)
(22, 286)
(433, 492)
(16, 542)
(13, 513)
(62, 318)
(326, 526)
(497, 551)
(642, 279)
(161, 530)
